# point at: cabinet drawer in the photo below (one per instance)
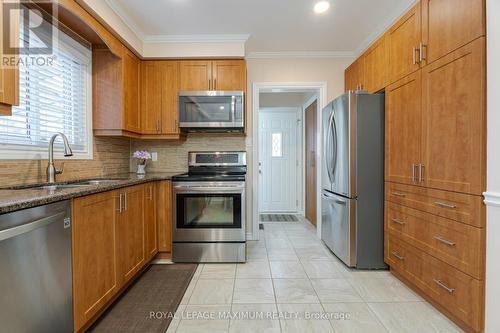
(460, 294)
(394, 252)
(458, 244)
(460, 207)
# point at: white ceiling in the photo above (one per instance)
(271, 26)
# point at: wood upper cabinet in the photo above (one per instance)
(449, 24)
(131, 232)
(164, 216)
(354, 75)
(9, 74)
(195, 75)
(404, 40)
(150, 220)
(159, 97)
(229, 75)
(376, 62)
(212, 75)
(95, 248)
(115, 93)
(454, 120)
(132, 118)
(403, 129)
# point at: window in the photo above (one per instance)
(277, 145)
(54, 95)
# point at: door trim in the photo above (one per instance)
(257, 88)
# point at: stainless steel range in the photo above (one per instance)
(209, 208)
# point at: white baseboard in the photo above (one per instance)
(162, 261)
(492, 199)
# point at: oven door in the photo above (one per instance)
(209, 211)
(211, 110)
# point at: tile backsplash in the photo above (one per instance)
(172, 156)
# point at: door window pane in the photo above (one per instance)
(277, 145)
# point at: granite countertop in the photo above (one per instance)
(25, 196)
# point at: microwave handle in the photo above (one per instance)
(233, 108)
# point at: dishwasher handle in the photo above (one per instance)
(29, 226)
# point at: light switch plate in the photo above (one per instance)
(154, 156)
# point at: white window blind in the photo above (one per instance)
(54, 97)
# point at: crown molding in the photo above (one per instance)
(129, 22)
(299, 54)
(492, 198)
(229, 38)
(380, 29)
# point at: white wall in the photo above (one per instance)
(329, 70)
(493, 170)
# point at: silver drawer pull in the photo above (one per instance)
(444, 204)
(398, 221)
(397, 255)
(444, 241)
(398, 194)
(445, 287)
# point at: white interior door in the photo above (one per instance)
(278, 160)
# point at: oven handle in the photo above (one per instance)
(208, 190)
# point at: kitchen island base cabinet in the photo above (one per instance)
(114, 237)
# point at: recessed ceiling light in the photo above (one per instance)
(321, 7)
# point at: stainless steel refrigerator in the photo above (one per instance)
(352, 199)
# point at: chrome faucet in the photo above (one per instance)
(51, 169)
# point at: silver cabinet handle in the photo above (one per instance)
(420, 173)
(444, 204)
(398, 194)
(125, 201)
(398, 221)
(120, 205)
(215, 84)
(444, 241)
(397, 255)
(158, 126)
(421, 52)
(414, 56)
(150, 193)
(442, 285)
(413, 173)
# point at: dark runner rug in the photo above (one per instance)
(159, 289)
(278, 218)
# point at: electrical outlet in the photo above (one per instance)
(154, 156)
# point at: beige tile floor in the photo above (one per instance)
(298, 285)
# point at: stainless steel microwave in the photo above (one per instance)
(214, 111)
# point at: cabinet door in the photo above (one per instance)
(150, 220)
(354, 75)
(95, 269)
(164, 218)
(151, 97)
(9, 75)
(450, 24)
(131, 91)
(376, 66)
(404, 40)
(131, 231)
(196, 75)
(229, 75)
(454, 114)
(170, 97)
(403, 121)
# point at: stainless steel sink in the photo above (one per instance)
(98, 181)
(58, 186)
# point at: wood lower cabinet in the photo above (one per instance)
(164, 216)
(95, 254)
(159, 99)
(150, 206)
(131, 232)
(403, 129)
(354, 75)
(114, 236)
(454, 120)
(450, 24)
(404, 39)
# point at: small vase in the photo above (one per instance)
(141, 169)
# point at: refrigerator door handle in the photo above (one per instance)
(334, 144)
(328, 150)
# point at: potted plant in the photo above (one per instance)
(141, 156)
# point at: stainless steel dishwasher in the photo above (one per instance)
(35, 270)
